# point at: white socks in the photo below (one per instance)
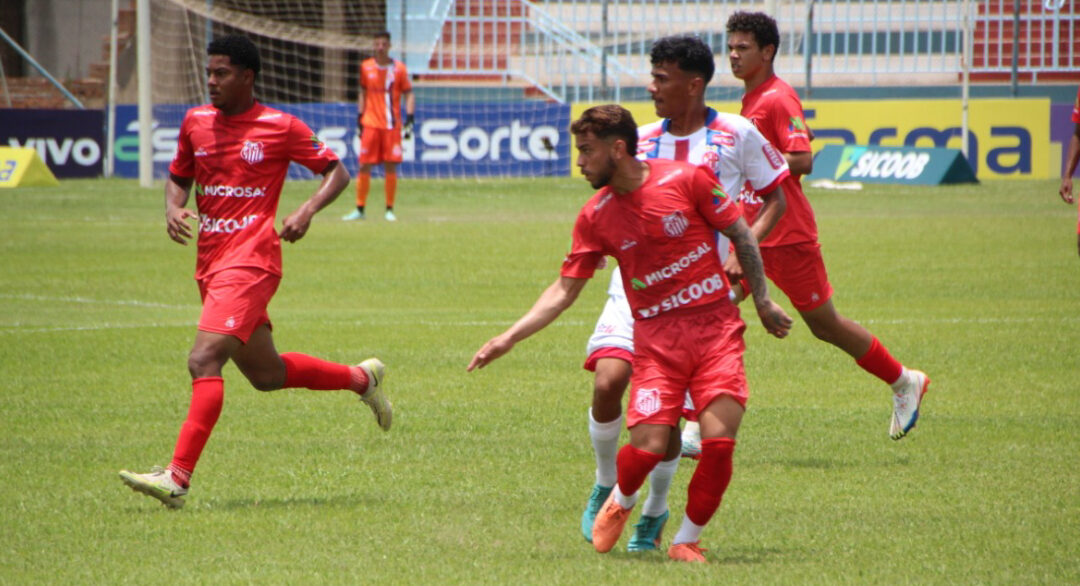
(903, 380)
(689, 532)
(659, 484)
(626, 502)
(605, 441)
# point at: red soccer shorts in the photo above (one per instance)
(700, 351)
(235, 300)
(380, 145)
(799, 271)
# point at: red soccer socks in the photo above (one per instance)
(710, 480)
(207, 397)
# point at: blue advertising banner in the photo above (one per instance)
(69, 141)
(465, 139)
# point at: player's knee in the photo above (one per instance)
(608, 387)
(263, 382)
(204, 362)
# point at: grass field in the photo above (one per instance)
(483, 478)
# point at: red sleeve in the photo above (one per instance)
(306, 148)
(719, 209)
(789, 125)
(403, 77)
(183, 163)
(586, 254)
(1076, 108)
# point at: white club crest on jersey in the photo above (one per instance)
(675, 224)
(252, 151)
(647, 401)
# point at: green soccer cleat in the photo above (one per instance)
(375, 395)
(596, 500)
(157, 483)
(647, 533)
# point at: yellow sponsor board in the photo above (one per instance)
(23, 166)
(1010, 138)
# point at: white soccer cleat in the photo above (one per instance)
(157, 483)
(375, 397)
(906, 402)
(353, 215)
(390, 217)
(691, 440)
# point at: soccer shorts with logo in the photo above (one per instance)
(613, 336)
(799, 271)
(235, 300)
(380, 145)
(700, 351)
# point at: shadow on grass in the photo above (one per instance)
(713, 555)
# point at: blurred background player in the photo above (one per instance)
(237, 152)
(739, 155)
(791, 252)
(650, 215)
(383, 82)
(1073, 156)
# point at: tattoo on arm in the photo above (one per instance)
(746, 249)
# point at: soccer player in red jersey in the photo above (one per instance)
(791, 252)
(741, 158)
(383, 81)
(236, 152)
(658, 218)
(1071, 159)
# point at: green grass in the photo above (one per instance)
(484, 475)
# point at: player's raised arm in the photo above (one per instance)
(296, 224)
(177, 190)
(552, 302)
(773, 317)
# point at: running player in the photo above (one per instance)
(383, 81)
(237, 152)
(653, 215)
(791, 252)
(1071, 159)
(682, 67)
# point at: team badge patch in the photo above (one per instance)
(252, 152)
(647, 401)
(675, 224)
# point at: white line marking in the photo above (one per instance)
(132, 303)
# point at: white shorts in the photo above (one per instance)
(615, 328)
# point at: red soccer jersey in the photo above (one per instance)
(663, 236)
(383, 87)
(775, 109)
(1076, 108)
(239, 164)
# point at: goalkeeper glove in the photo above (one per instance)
(409, 122)
(359, 124)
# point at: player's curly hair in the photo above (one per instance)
(689, 52)
(608, 121)
(759, 24)
(240, 51)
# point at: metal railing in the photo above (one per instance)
(584, 49)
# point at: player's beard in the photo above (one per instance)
(603, 177)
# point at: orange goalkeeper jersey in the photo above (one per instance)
(383, 87)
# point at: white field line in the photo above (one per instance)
(131, 303)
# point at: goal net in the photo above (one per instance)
(472, 118)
